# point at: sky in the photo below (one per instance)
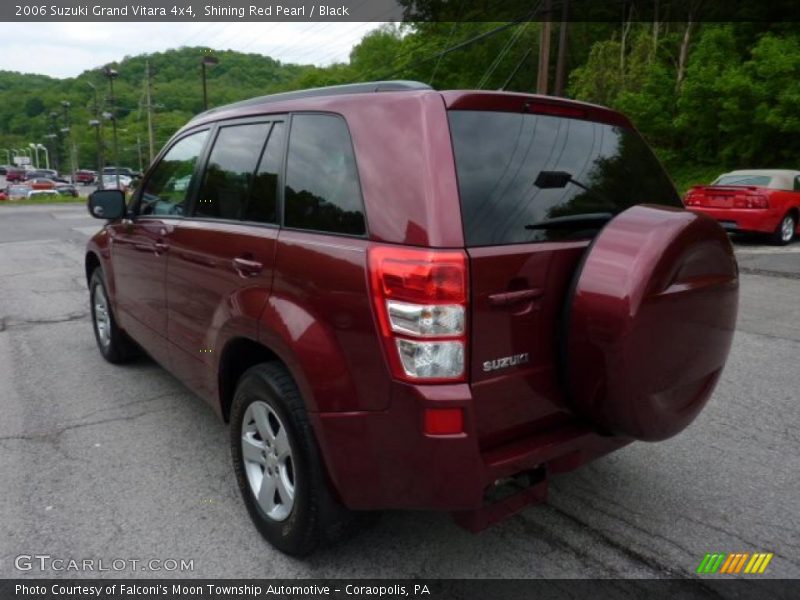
(68, 49)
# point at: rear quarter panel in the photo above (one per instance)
(319, 321)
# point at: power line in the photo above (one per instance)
(459, 46)
(501, 55)
(516, 69)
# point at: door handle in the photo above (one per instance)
(246, 267)
(511, 298)
(161, 247)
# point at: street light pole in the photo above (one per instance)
(46, 155)
(70, 141)
(97, 124)
(36, 150)
(206, 60)
(57, 140)
(111, 74)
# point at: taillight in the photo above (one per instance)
(693, 199)
(420, 299)
(750, 201)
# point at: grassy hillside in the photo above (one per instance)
(27, 101)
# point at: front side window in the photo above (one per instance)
(229, 175)
(322, 188)
(167, 188)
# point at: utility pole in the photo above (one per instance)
(150, 136)
(563, 40)
(139, 151)
(544, 49)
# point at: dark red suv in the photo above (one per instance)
(402, 298)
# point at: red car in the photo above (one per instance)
(42, 183)
(759, 201)
(401, 298)
(85, 177)
(16, 175)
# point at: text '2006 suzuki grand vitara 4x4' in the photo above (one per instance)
(401, 298)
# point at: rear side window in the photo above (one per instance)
(166, 190)
(230, 171)
(263, 204)
(322, 188)
(592, 168)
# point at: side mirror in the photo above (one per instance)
(107, 204)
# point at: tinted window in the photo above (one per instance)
(263, 203)
(230, 171)
(499, 156)
(322, 190)
(167, 187)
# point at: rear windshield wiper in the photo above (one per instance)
(548, 180)
(572, 221)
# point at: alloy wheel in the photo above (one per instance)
(268, 461)
(102, 317)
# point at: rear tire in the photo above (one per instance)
(113, 343)
(278, 466)
(784, 234)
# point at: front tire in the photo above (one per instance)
(277, 464)
(784, 234)
(113, 343)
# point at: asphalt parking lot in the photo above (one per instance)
(98, 461)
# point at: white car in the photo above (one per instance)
(39, 193)
(110, 182)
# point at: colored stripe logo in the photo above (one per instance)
(734, 563)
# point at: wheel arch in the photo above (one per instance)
(91, 263)
(238, 355)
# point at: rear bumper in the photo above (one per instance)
(383, 460)
(762, 220)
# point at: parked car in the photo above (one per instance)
(84, 176)
(110, 182)
(44, 174)
(3, 196)
(40, 193)
(420, 300)
(126, 171)
(4, 169)
(17, 192)
(41, 183)
(752, 200)
(67, 189)
(14, 175)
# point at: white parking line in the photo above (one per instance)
(89, 231)
(71, 215)
(795, 249)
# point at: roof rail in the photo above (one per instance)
(332, 90)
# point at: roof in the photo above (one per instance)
(781, 179)
(333, 90)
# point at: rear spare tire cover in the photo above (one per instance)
(649, 321)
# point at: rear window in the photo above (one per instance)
(759, 180)
(559, 177)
